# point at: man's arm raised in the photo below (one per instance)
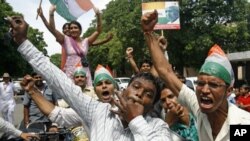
(51, 24)
(162, 65)
(131, 60)
(98, 31)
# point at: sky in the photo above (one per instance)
(29, 9)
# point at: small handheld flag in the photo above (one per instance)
(39, 7)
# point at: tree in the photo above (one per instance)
(203, 23)
(121, 18)
(56, 59)
(12, 61)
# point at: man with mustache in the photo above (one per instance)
(213, 113)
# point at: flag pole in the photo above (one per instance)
(162, 32)
(39, 8)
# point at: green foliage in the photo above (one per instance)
(56, 59)
(36, 37)
(12, 61)
(122, 19)
(203, 23)
(5, 10)
(106, 54)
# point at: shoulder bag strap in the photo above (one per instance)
(76, 48)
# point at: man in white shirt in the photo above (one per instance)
(7, 101)
(132, 123)
(214, 114)
(67, 117)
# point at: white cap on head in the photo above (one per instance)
(6, 74)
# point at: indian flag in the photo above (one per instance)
(72, 9)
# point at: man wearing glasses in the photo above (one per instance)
(213, 113)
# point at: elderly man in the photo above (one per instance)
(214, 114)
(7, 102)
(133, 121)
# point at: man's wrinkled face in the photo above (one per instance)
(172, 14)
(105, 90)
(80, 80)
(143, 89)
(38, 80)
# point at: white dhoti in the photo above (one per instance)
(7, 110)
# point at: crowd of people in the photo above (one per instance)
(155, 106)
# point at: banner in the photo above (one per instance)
(168, 14)
(72, 9)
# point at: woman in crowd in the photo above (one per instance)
(76, 48)
(179, 119)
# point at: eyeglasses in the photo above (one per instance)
(211, 85)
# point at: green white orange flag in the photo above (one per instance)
(72, 9)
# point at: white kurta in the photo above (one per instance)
(7, 101)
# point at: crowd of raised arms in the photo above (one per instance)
(155, 106)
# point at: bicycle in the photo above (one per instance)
(40, 129)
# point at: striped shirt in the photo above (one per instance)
(96, 116)
(8, 128)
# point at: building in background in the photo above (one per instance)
(241, 65)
